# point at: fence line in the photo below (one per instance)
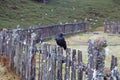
(52, 67)
(112, 27)
(45, 62)
(49, 31)
(19, 43)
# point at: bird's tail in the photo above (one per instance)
(65, 47)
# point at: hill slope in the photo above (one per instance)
(29, 12)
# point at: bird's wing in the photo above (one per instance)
(61, 42)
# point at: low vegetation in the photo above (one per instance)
(6, 71)
(30, 12)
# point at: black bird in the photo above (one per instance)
(60, 40)
(62, 43)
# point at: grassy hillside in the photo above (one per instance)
(29, 12)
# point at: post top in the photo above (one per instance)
(98, 41)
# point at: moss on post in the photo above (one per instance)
(96, 57)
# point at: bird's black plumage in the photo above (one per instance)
(61, 41)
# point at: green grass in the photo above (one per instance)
(30, 13)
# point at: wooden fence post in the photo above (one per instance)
(33, 63)
(112, 62)
(85, 25)
(119, 27)
(1, 42)
(90, 63)
(49, 63)
(67, 66)
(96, 50)
(114, 69)
(44, 61)
(59, 58)
(40, 73)
(105, 27)
(73, 73)
(80, 72)
(16, 59)
(53, 61)
(24, 62)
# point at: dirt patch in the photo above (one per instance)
(6, 72)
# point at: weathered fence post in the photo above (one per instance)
(16, 58)
(1, 42)
(4, 44)
(44, 61)
(105, 27)
(49, 63)
(31, 55)
(118, 27)
(59, 58)
(96, 57)
(24, 62)
(53, 62)
(114, 69)
(73, 73)
(40, 64)
(80, 72)
(33, 63)
(114, 27)
(67, 66)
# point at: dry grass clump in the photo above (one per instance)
(6, 71)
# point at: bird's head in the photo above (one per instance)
(61, 34)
